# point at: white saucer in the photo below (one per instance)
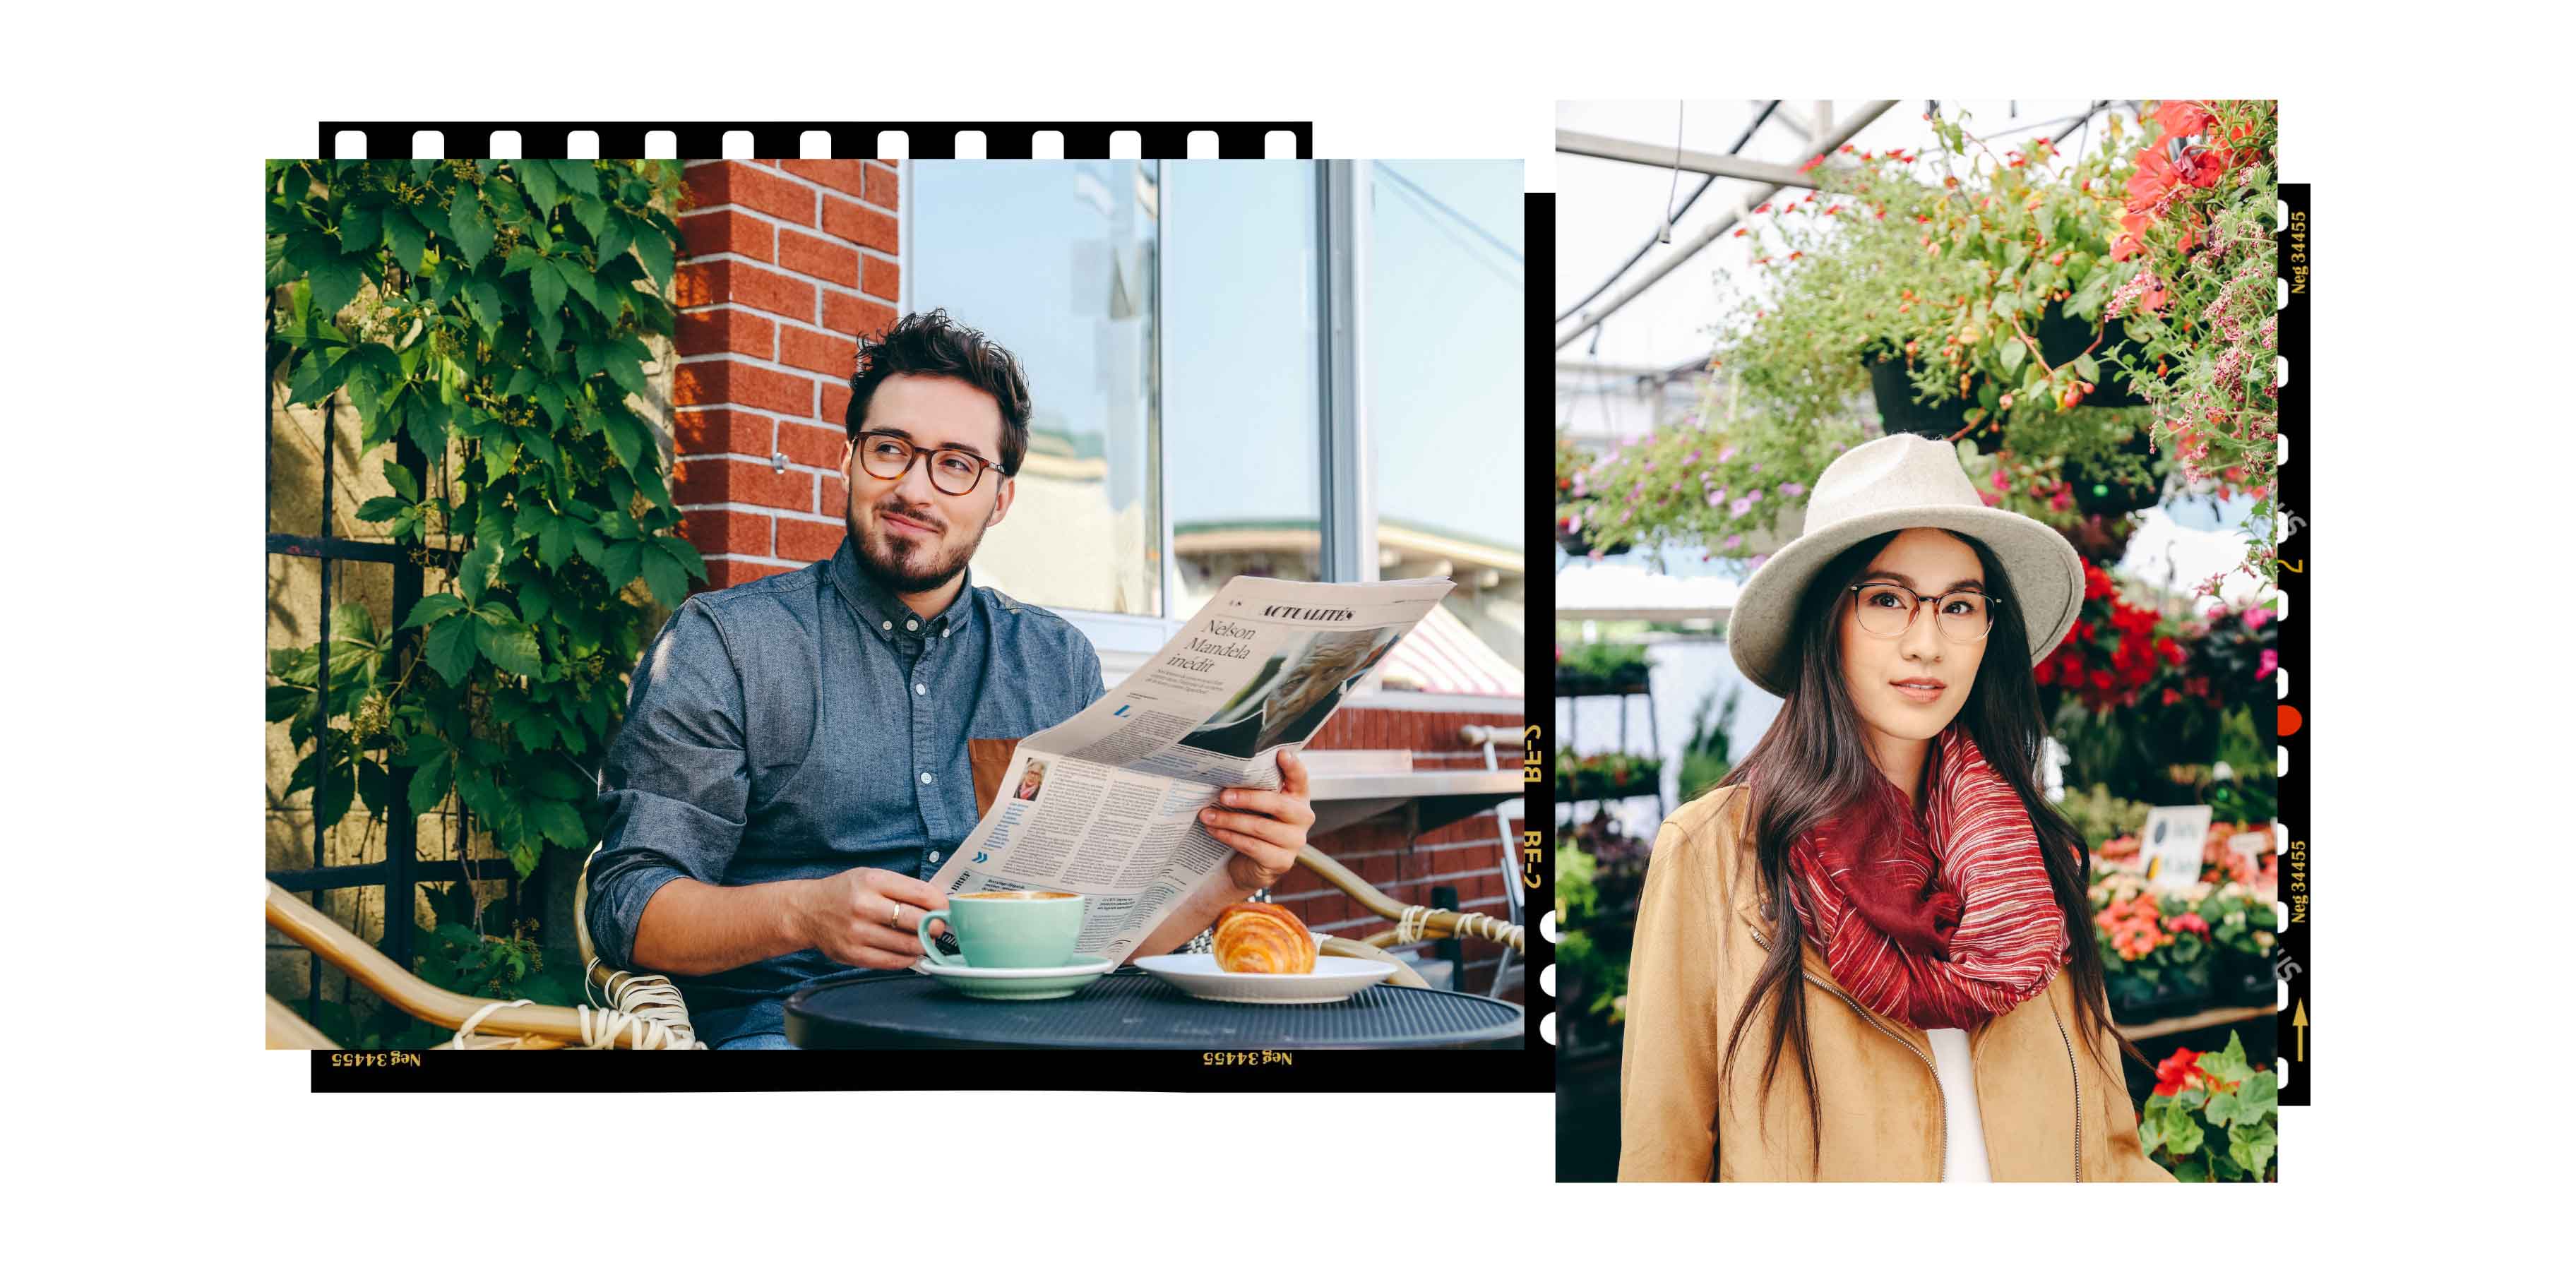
(1019, 983)
(1197, 974)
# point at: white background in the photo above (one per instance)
(149, 1131)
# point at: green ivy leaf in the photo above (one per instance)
(410, 239)
(335, 283)
(511, 649)
(536, 599)
(2251, 1147)
(404, 483)
(621, 564)
(432, 608)
(546, 286)
(362, 228)
(538, 177)
(663, 575)
(474, 573)
(653, 249)
(470, 229)
(384, 508)
(560, 823)
(554, 543)
(580, 175)
(536, 734)
(685, 553)
(450, 650)
(486, 300)
(332, 793)
(287, 701)
(625, 364)
(500, 450)
(586, 541)
(579, 279)
(592, 214)
(541, 444)
(614, 237)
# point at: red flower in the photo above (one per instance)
(2182, 119)
(2177, 1071)
(2154, 178)
(1812, 162)
(2201, 168)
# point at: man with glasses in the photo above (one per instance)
(793, 765)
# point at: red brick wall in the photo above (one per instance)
(1466, 855)
(789, 262)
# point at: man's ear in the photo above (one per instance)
(846, 447)
(1003, 493)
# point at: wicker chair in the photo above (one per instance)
(641, 1012)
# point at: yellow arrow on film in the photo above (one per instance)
(2299, 1021)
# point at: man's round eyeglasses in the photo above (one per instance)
(1888, 609)
(887, 457)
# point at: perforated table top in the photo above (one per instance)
(1130, 1010)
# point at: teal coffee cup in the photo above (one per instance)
(1009, 928)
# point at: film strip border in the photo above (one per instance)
(1538, 741)
(1002, 140)
(2293, 962)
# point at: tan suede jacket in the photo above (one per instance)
(2050, 1111)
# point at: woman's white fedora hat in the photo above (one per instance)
(1900, 483)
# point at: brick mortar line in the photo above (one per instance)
(781, 415)
(757, 510)
(728, 256)
(815, 231)
(775, 319)
(792, 465)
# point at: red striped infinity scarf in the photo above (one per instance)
(1945, 921)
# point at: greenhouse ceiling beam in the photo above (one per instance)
(1869, 111)
(1657, 156)
(1614, 371)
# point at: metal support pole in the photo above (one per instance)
(1682, 253)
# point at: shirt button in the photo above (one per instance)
(919, 688)
(934, 856)
(943, 632)
(887, 625)
(912, 625)
(925, 776)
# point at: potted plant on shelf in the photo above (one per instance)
(2213, 1117)
(1602, 667)
(2155, 951)
(2242, 922)
(1602, 776)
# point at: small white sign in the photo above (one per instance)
(2172, 844)
(2250, 844)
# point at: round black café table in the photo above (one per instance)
(1128, 1009)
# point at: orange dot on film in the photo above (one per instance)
(2290, 720)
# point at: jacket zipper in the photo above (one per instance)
(2078, 1079)
(1942, 1172)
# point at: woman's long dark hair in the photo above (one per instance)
(1814, 762)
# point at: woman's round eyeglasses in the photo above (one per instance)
(887, 457)
(1888, 609)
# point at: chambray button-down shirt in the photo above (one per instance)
(804, 725)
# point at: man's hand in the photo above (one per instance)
(1267, 838)
(867, 917)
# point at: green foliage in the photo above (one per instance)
(1601, 665)
(2220, 1124)
(2100, 816)
(494, 313)
(1709, 752)
(460, 957)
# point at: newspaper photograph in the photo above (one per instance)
(1105, 804)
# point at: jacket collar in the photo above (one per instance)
(885, 613)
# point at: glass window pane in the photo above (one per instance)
(1056, 260)
(1242, 418)
(1443, 390)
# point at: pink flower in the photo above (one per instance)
(1574, 524)
(1754, 497)
(1694, 457)
(1725, 454)
(1741, 507)
(1716, 497)
(2271, 661)
(2257, 616)
(1733, 539)
(1792, 488)
(1756, 562)
(1757, 467)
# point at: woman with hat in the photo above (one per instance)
(1867, 954)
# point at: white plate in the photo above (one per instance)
(1020, 983)
(1197, 974)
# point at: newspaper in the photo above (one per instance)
(1105, 804)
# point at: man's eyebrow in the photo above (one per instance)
(943, 445)
(1908, 581)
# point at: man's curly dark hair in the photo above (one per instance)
(931, 343)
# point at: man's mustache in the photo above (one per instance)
(921, 518)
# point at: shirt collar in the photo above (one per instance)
(884, 613)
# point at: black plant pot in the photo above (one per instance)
(1893, 386)
(2062, 338)
(2110, 495)
(2244, 979)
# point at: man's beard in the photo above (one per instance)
(914, 565)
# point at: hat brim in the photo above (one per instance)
(2047, 578)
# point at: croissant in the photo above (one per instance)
(1263, 939)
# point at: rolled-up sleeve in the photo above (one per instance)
(676, 781)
